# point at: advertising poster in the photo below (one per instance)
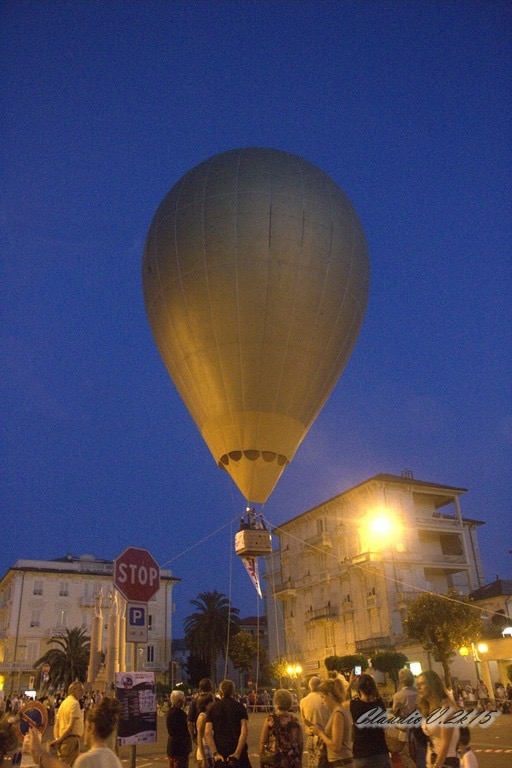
(136, 693)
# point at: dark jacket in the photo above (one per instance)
(179, 742)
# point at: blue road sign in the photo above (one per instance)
(137, 623)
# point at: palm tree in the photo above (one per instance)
(207, 630)
(69, 660)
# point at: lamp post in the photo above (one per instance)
(294, 671)
(474, 650)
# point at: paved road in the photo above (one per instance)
(493, 745)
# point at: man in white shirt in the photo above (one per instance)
(69, 725)
(314, 711)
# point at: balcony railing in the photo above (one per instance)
(87, 601)
(322, 540)
(284, 589)
(327, 613)
(448, 559)
(16, 666)
(366, 557)
(373, 644)
(56, 631)
(445, 524)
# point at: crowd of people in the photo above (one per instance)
(338, 723)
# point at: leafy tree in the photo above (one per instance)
(390, 662)
(278, 669)
(243, 651)
(207, 630)
(68, 661)
(344, 664)
(196, 669)
(442, 624)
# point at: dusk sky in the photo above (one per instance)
(105, 105)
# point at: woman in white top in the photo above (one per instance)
(101, 722)
(443, 738)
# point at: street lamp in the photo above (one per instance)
(384, 529)
(474, 651)
(293, 671)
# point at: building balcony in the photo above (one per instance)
(307, 579)
(437, 523)
(285, 589)
(56, 631)
(347, 607)
(327, 613)
(366, 557)
(450, 560)
(372, 644)
(16, 666)
(322, 540)
(87, 601)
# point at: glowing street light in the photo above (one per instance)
(474, 650)
(382, 528)
(293, 671)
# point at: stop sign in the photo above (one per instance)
(136, 575)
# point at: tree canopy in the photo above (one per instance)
(243, 651)
(208, 629)
(442, 624)
(68, 660)
(278, 669)
(390, 662)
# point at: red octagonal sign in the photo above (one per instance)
(136, 575)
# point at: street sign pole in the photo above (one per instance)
(137, 578)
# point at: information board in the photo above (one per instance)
(136, 692)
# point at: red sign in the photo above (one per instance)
(33, 714)
(136, 575)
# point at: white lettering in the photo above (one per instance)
(121, 573)
(133, 573)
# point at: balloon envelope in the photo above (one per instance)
(256, 278)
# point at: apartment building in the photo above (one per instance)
(40, 598)
(346, 569)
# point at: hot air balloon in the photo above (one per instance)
(255, 277)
